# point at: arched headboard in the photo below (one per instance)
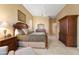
(20, 25)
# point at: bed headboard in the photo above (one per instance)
(20, 26)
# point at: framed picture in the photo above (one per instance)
(21, 16)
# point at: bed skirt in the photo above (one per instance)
(32, 44)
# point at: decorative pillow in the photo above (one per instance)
(21, 37)
(25, 31)
(30, 31)
(18, 32)
(3, 50)
(40, 30)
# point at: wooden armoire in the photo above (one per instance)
(68, 30)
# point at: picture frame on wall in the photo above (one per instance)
(21, 16)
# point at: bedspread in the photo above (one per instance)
(37, 37)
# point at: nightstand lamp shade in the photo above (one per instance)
(4, 27)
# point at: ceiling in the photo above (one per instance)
(44, 9)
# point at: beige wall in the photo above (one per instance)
(44, 20)
(69, 9)
(51, 22)
(9, 13)
(41, 20)
(53, 26)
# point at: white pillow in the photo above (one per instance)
(18, 31)
(3, 50)
(25, 31)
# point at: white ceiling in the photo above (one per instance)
(44, 9)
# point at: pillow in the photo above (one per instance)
(21, 37)
(30, 31)
(18, 32)
(25, 31)
(3, 50)
(40, 30)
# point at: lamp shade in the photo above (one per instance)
(4, 24)
(4, 28)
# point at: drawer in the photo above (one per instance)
(12, 43)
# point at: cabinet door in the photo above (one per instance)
(71, 41)
(64, 25)
(72, 25)
(63, 30)
(72, 31)
(62, 38)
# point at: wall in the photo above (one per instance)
(52, 28)
(69, 9)
(48, 21)
(9, 13)
(41, 20)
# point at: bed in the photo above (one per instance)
(36, 39)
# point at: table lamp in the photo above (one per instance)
(4, 27)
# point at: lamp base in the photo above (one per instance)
(5, 33)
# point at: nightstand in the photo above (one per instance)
(11, 42)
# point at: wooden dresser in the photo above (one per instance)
(11, 42)
(68, 30)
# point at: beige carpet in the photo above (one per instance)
(57, 48)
